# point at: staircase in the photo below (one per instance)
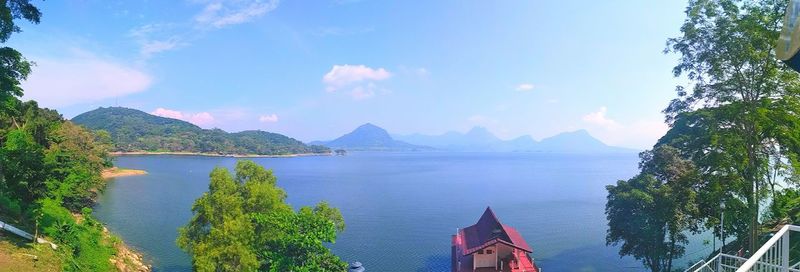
(776, 255)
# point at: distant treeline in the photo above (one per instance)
(134, 130)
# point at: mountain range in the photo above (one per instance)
(372, 137)
(480, 139)
(132, 130)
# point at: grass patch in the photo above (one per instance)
(17, 254)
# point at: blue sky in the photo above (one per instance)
(314, 70)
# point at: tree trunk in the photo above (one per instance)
(671, 252)
(754, 222)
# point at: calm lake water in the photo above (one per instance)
(400, 208)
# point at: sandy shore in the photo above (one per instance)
(114, 172)
(217, 155)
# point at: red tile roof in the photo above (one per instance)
(486, 232)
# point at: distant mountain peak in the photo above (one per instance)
(523, 138)
(482, 135)
(369, 137)
(369, 126)
(579, 132)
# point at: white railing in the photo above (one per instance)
(773, 256)
(719, 263)
(23, 234)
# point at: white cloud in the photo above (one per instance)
(82, 78)
(361, 92)
(156, 38)
(215, 14)
(219, 13)
(638, 133)
(152, 47)
(203, 119)
(167, 113)
(599, 118)
(270, 118)
(524, 87)
(347, 75)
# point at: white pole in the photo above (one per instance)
(785, 252)
(721, 233)
(722, 225)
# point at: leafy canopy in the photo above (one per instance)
(244, 224)
(650, 214)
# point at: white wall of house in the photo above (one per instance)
(484, 259)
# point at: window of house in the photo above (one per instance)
(488, 251)
(480, 251)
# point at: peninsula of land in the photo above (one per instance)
(115, 172)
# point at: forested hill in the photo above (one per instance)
(134, 130)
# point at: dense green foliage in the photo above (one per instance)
(82, 245)
(650, 214)
(49, 167)
(134, 130)
(244, 224)
(737, 125)
(785, 207)
(50, 170)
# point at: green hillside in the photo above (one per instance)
(134, 130)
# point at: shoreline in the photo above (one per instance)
(115, 172)
(140, 153)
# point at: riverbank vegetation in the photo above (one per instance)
(733, 140)
(244, 224)
(49, 168)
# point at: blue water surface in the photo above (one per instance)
(400, 208)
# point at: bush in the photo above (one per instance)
(81, 244)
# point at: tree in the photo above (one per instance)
(74, 162)
(219, 235)
(244, 224)
(650, 213)
(738, 121)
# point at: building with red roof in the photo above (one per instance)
(491, 246)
